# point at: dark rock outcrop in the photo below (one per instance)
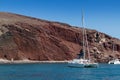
(23, 37)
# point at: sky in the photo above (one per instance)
(101, 15)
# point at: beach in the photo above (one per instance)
(29, 61)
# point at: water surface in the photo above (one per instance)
(58, 71)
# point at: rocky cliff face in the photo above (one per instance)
(24, 37)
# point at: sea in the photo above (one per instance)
(58, 71)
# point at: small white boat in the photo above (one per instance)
(115, 61)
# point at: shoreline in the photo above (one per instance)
(4, 61)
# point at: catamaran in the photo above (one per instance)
(83, 62)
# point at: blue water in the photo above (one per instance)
(57, 71)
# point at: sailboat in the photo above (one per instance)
(83, 62)
(114, 61)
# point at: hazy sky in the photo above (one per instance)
(102, 15)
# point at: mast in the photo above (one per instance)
(87, 46)
(85, 42)
(83, 35)
(113, 47)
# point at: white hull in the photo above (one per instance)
(82, 63)
(76, 65)
(90, 65)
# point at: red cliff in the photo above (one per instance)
(23, 37)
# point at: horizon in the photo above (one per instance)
(100, 15)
